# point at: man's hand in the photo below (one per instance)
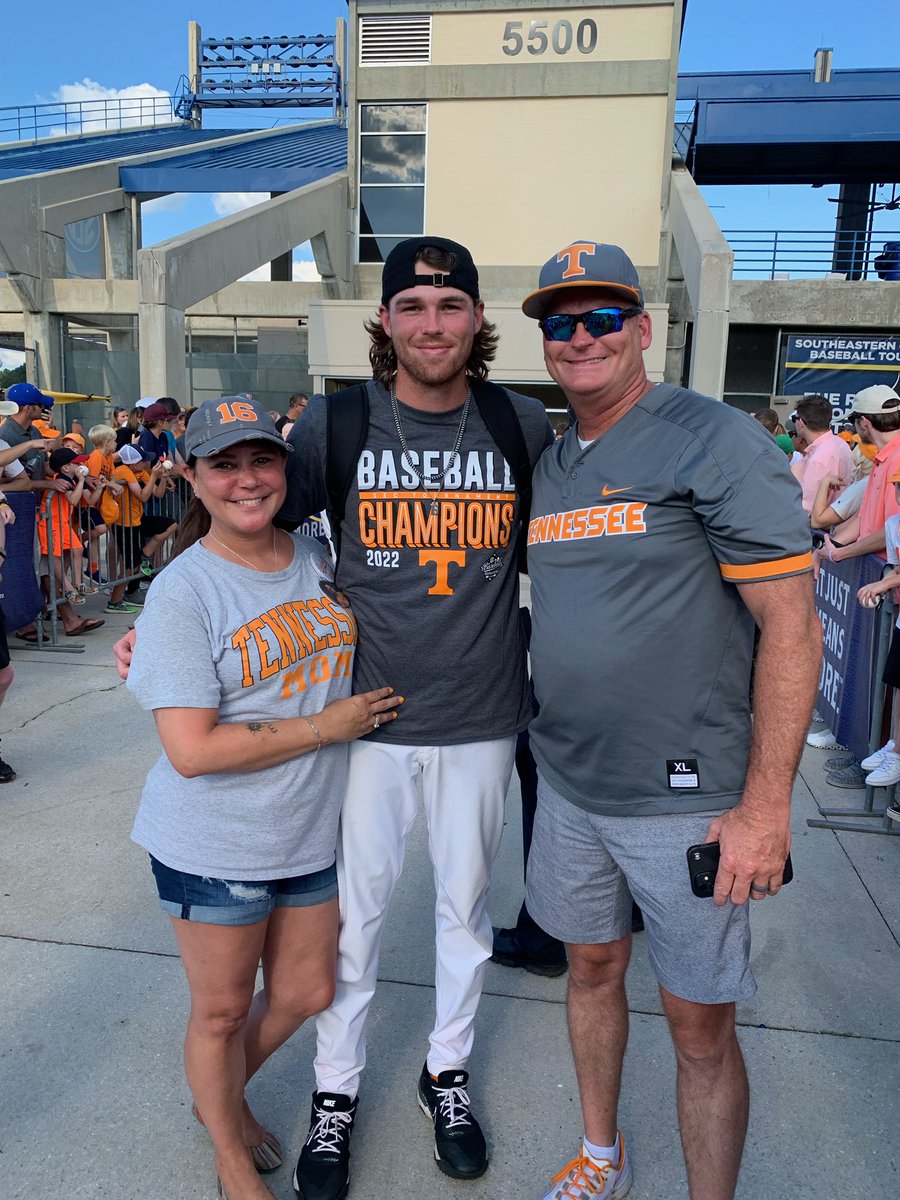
(753, 847)
(123, 649)
(7, 516)
(59, 484)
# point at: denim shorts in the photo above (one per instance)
(238, 902)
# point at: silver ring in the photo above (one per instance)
(760, 891)
(377, 724)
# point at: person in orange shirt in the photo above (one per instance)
(136, 537)
(876, 418)
(57, 536)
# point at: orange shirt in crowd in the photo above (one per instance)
(131, 508)
(60, 520)
(878, 501)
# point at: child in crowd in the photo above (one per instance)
(57, 535)
(884, 765)
(101, 465)
(137, 537)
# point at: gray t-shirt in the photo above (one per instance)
(256, 646)
(14, 435)
(641, 645)
(436, 596)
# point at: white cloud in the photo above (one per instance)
(159, 204)
(226, 203)
(305, 272)
(10, 359)
(260, 275)
(137, 104)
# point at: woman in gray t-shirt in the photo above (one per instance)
(244, 654)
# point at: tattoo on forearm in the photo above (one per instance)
(259, 726)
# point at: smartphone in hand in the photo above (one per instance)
(703, 863)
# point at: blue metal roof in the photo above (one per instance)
(55, 155)
(781, 127)
(276, 163)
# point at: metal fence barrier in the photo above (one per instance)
(808, 253)
(98, 559)
(29, 122)
(872, 817)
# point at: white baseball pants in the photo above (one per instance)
(464, 790)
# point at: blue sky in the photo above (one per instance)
(51, 48)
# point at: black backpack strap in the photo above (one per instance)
(347, 423)
(499, 415)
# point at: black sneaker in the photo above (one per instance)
(509, 951)
(459, 1148)
(323, 1170)
(7, 774)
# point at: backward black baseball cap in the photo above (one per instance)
(401, 271)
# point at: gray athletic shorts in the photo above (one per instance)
(583, 870)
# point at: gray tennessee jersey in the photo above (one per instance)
(641, 648)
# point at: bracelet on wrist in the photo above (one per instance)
(308, 720)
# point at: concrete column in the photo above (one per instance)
(282, 268)
(43, 349)
(119, 245)
(162, 356)
(709, 350)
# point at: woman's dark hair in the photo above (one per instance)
(135, 417)
(383, 357)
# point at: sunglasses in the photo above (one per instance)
(598, 322)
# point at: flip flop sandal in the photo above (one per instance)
(29, 636)
(84, 627)
(267, 1156)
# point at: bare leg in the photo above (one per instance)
(299, 960)
(712, 1092)
(220, 962)
(598, 1031)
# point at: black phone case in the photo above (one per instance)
(703, 862)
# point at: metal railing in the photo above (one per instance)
(807, 253)
(29, 122)
(97, 561)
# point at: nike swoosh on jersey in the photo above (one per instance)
(608, 491)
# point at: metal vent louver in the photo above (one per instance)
(404, 39)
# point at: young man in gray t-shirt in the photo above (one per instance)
(429, 560)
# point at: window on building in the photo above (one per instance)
(391, 177)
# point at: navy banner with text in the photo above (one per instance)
(848, 649)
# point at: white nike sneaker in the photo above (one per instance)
(877, 756)
(584, 1179)
(823, 739)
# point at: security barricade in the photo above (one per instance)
(851, 696)
(81, 556)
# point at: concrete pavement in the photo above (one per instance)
(93, 1103)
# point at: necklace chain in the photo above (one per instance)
(231, 550)
(432, 482)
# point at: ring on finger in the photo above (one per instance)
(376, 724)
(759, 891)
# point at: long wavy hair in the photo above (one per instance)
(383, 357)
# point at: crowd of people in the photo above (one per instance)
(850, 484)
(662, 530)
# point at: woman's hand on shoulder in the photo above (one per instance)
(352, 718)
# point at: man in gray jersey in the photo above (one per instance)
(662, 526)
(428, 560)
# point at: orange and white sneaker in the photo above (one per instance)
(584, 1179)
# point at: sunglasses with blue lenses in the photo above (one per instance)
(598, 322)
